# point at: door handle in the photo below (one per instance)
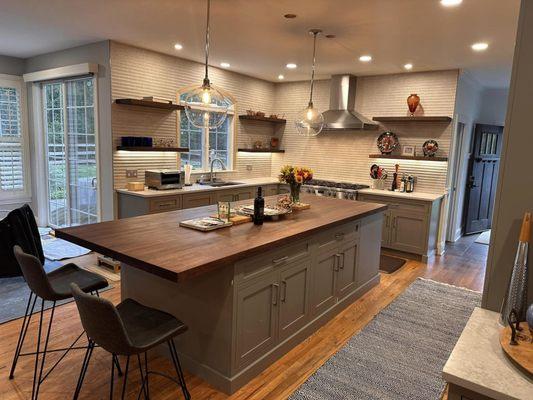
(339, 263)
(93, 183)
(387, 221)
(280, 260)
(471, 183)
(336, 263)
(275, 293)
(284, 291)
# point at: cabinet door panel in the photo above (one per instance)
(294, 298)
(408, 232)
(323, 294)
(257, 308)
(347, 275)
(197, 200)
(385, 232)
(245, 193)
(270, 190)
(225, 196)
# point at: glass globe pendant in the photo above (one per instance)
(205, 106)
(310, 121)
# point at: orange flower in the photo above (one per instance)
(299, 179)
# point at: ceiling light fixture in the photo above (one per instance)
(225, 65)
(291, 66)
(310, 122)
(408, 66)
(205, 106)
(178, 46)
(281, 77)
(365, 58)
(481, 46)
(450, 3)
(290, 16)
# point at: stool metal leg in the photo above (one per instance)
(84, 367)
(37, 353)
(43, 359)
(112, 377)
(146, 373)
(177, 366)
(143, 388)
(125, 377)
(23, 331)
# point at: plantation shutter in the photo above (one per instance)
(11, 141)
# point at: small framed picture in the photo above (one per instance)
(408, 150)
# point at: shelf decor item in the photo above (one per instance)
(387, 142)
(205, 106)
(309, 121)
(408, 151)
(295, 177)
(430, 148)
(412, 102)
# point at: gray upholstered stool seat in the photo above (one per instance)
(61, 278)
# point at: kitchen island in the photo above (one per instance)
(247, 293)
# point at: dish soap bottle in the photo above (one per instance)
(259, 207)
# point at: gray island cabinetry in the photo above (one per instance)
(247, 293)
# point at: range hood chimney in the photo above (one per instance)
(341, 114)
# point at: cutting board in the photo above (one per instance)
(522, 353)
(237, 219)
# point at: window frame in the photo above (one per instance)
(205, 134)
(24, 195)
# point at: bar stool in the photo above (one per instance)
(53, 287)
(129, 329)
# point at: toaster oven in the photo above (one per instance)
(163, 179)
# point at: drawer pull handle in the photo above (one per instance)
(339, 236)
(280, 260)
(275, 293)
(339, 263)
(284, 291)
(166, 204)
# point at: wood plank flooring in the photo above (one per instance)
(463, 265)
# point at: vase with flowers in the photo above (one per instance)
(295, 177)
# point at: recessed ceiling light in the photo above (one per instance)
(291, 65)
(290, 16)
(281, 77)
(450, 3)
(365, 58)
(408, 66)
(178, 46)
(225, 65)
(480, 46)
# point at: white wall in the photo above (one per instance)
(493, 106)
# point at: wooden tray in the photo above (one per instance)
(522, 353)
(300, 206)
(237, 219)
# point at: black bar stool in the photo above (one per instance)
(129, 329)
(53, 287)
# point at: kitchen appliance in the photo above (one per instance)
(163, 179)
(338, 190)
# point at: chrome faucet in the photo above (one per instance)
(211, 177)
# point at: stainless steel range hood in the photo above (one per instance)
(341, 114)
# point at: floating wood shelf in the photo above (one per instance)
(400, 157)
(147, 148)
(263, 119)
(261, 150)
(151, 104)
(414, 119)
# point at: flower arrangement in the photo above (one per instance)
(295, 177)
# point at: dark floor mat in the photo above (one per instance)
(389, 264)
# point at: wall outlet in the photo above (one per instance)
(249, 167)
(131, 173)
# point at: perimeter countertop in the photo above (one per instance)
(201, 188)
(478, 362)
(413, 195)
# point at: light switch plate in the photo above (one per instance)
(131, 173)
(249, 167)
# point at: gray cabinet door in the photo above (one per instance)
(323, 290)
(245, 193)
(408, 232)
(225, 196)
(294, 298)
(385, 232)
(257, 319)
(270, 190)
(201, 199)
(347, 262)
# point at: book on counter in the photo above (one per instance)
(205, 224)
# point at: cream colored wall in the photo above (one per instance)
(137, 72)
(343, 156)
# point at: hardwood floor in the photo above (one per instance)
(463, 265)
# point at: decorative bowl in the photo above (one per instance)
(387, 142)
(430, 148)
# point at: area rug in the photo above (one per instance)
(400, 354)
(388, 264)
(484, 238)
(59, 249)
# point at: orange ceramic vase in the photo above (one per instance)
(412, 102)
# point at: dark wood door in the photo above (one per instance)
(482, 177)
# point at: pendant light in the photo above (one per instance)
(205, 106)
(310, 122)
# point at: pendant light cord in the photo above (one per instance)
(206, 78)
(313, 68)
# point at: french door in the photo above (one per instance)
(72, 170)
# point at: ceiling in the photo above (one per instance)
(255, 38)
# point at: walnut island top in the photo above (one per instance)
(157, 244)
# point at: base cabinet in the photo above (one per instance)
(408, 232)
(347, 269)
(324, 282)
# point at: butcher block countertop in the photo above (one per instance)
(157, 244)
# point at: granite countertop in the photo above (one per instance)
(478, 362)
(201, 188)
(413, 196)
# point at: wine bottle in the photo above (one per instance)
(259, 207)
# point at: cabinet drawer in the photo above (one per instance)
(261, 264)
(165, 204)
(335, 236)
(399, 204)
(198, 199)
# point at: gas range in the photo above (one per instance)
(339, 190)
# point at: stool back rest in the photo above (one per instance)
(102, 322)
(34, 274)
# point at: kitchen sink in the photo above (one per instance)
(219, 183)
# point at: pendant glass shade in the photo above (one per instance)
(309, 121)
(206, 107)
